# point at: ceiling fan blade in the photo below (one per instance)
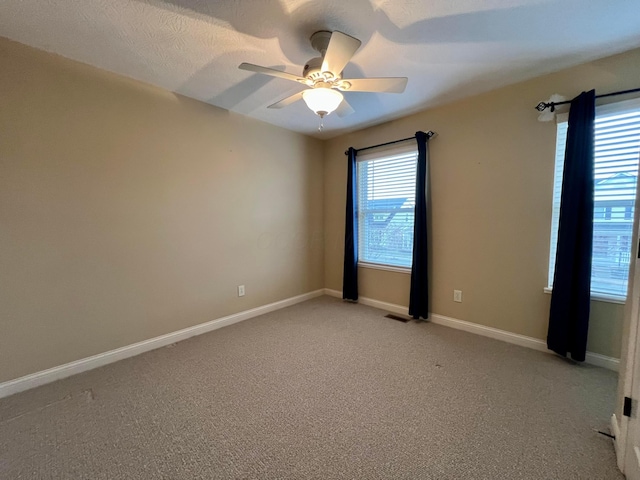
(385, 85)
(340, 50)
(287, 101)
(250, 67)
(344, 109)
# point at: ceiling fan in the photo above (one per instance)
(323, 76)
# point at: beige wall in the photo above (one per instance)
(491, 187)
(127, 212)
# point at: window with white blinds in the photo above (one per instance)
(386, 184)
(617, 149)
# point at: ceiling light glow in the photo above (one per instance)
(322, 100)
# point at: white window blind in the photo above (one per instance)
(386, 184)
(617, 148)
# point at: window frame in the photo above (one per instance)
(606, 109)
(378, 154)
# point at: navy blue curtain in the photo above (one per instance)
(419, 296)
(350, 274)
(570, 300)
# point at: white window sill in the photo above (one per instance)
(388, 268)
(600, 297)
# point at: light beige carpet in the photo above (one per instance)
(324, 389)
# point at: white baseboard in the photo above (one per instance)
(389, 307)
(495, 333)
(610, 363)
(56, 373)
(68, 369)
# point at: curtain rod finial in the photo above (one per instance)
(541, 106)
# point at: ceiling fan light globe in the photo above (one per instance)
(322, 101)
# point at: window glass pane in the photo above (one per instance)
(617, 148)
(386, 203)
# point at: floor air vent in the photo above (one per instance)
(396, 317)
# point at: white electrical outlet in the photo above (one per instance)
(457, 296)
(241, 290)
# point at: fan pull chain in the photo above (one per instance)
(321, 127)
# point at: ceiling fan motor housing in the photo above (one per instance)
(313, 68)
(313, 71)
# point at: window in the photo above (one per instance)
(386, 184)
(617, 147)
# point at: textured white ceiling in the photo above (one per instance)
(447, 48)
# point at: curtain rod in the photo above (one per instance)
(429, 135)
(544, 105)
